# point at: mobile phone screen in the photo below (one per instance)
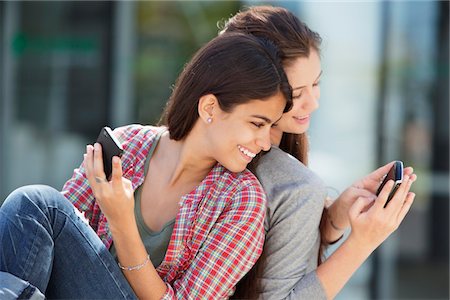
(395, 174)
(110, 147)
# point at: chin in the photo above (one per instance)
(235, 168)
(299, 130)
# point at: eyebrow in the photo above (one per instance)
(300, 87)
(267, 120)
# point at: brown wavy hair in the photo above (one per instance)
(294, 39)
(236, 68)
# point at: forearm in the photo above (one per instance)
(340, 266)
(144, 279)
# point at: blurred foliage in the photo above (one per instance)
(169, 33)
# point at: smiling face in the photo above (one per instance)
(303, 74)
(237, 136)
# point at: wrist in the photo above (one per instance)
(123, 227)
(361, 244)
(338, 215)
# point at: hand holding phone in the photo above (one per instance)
(395, 174)
(110, 147)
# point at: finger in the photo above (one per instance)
(359, 206)
(381, 171)
(98, 161)
(116, 177)
(372, 181)
(89, 163)
(363, 193)
(406, 206)
(381, 200)
(89, 169)
(408, 171)
(400, 194)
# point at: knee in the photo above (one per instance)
(36, 195)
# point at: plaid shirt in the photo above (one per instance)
(218, 233)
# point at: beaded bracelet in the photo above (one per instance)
(137, 267)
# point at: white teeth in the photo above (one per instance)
(246, 152)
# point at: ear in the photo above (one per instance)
(207, 104)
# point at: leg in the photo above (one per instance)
(44, 242)
(12, 288)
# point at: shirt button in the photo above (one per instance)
(180, 204)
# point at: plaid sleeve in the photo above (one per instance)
(230, 250)
(77, 188)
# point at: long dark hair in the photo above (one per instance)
(294, 39)
(234, 67)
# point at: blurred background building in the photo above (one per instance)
(69, 68)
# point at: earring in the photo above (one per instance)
(209, 120)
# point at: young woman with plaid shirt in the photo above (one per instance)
(190, 178)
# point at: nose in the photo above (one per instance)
(263, 140)
(311, 102)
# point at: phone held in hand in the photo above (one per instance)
(110, 147)
(395, 174)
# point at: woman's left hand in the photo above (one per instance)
(114, 197)
(365, 187)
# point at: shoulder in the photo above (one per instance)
(277, 167)
(241, 188)
(290, 185)
(136, 132)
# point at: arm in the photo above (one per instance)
(337, 219)
(116, 201)
(292, 242)
(229, 251)
(371, 224)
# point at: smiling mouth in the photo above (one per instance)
(247, 152)
(302, 119)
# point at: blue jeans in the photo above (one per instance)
(46, 247)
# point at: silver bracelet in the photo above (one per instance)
(137, 267)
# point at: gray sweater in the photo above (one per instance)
(296, 198)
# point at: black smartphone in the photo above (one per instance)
(110, 147)
(395, 174)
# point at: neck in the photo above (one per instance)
(275, 136)
(185, 160)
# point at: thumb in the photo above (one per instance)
(359, 206)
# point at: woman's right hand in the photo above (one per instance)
(372, 222)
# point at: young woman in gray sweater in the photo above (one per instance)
(299, 219)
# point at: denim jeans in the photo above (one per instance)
(46, 247)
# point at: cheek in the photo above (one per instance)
(284, 121)
(226, 136)
(317, 93)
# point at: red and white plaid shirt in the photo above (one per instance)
(219, 230)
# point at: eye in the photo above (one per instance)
(316, 83)
(258, 125)
(296, 97)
